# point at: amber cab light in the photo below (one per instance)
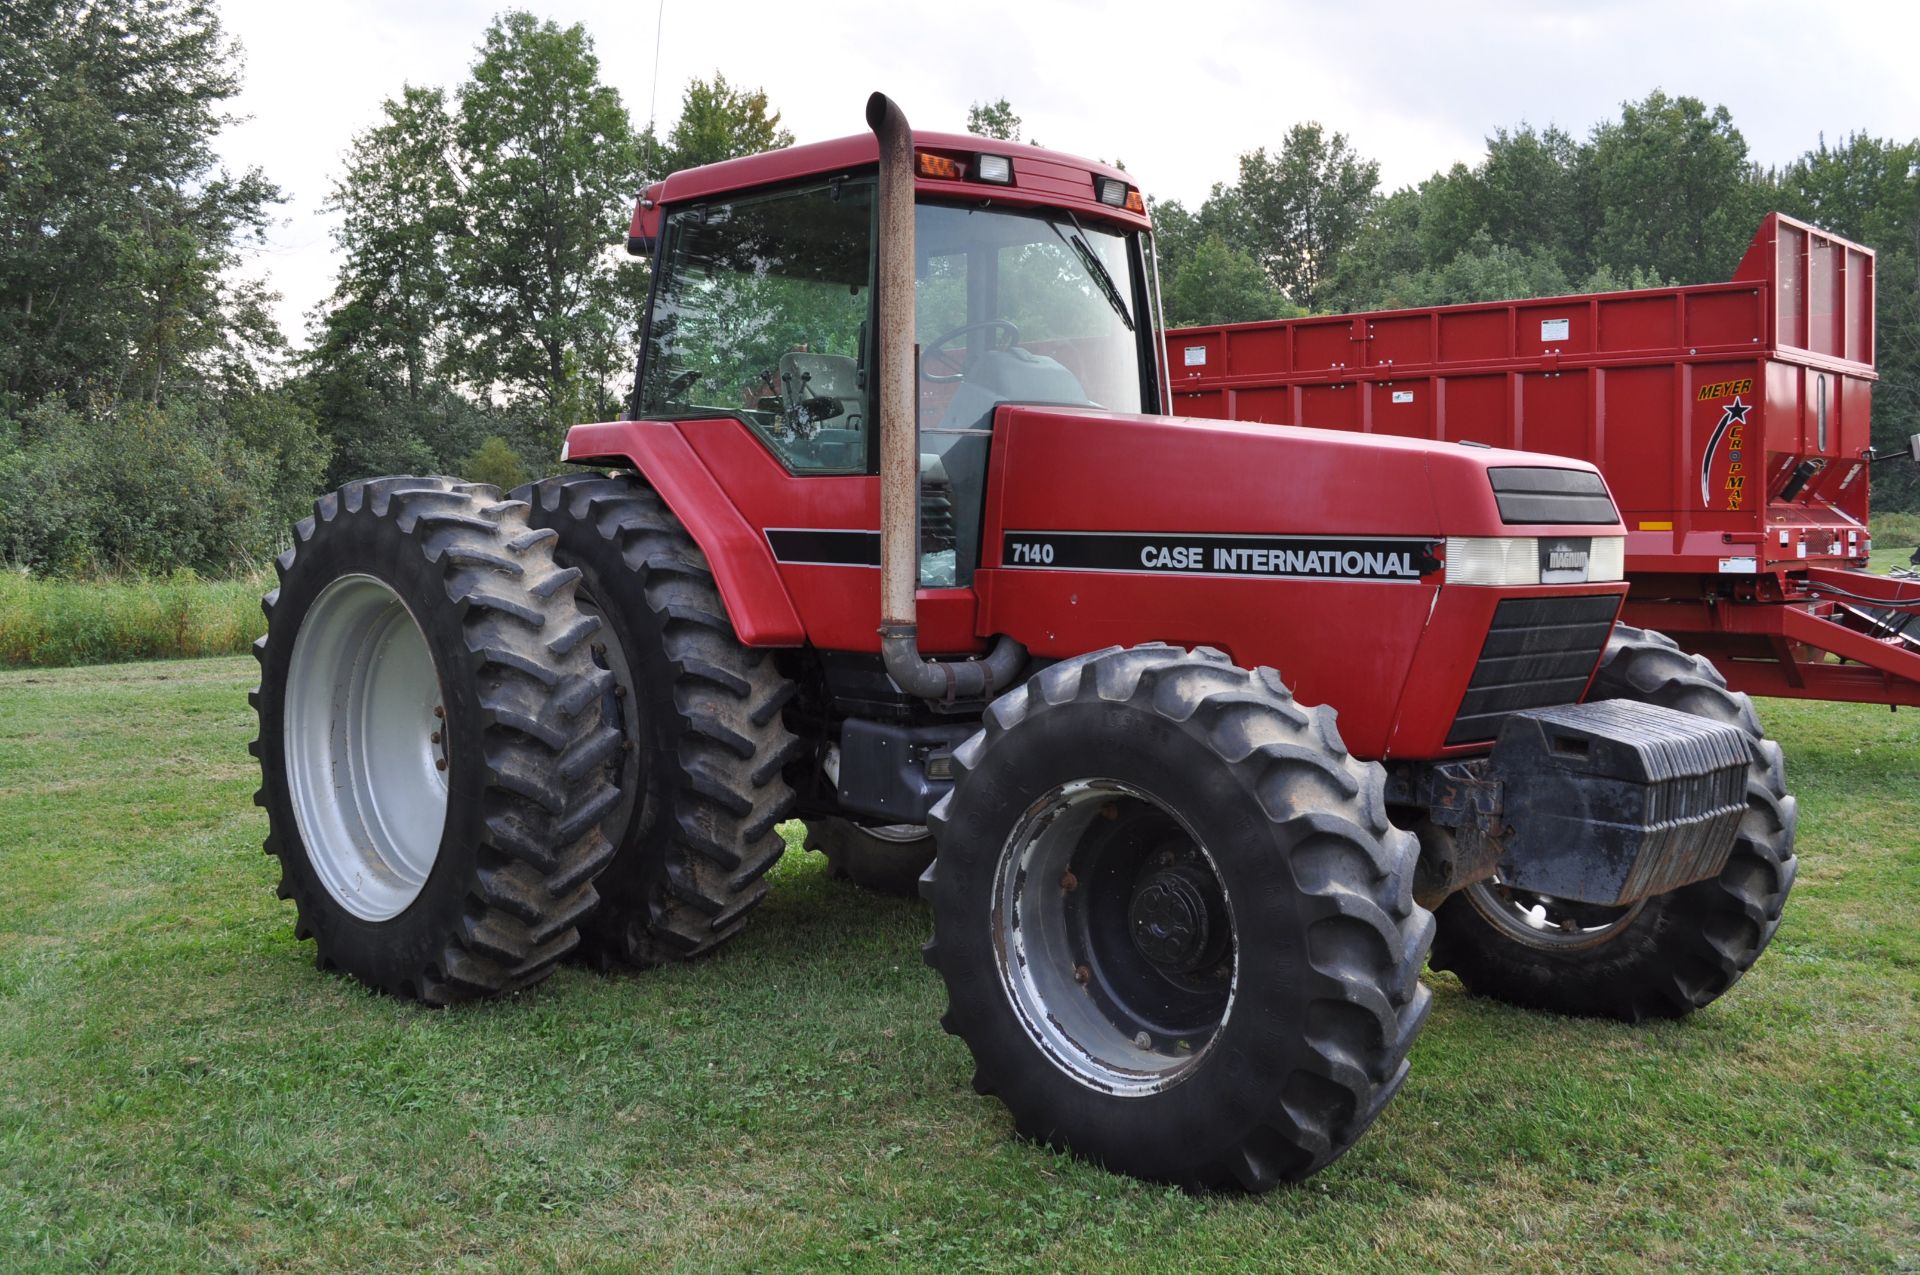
(940, 166)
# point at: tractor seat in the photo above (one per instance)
(804, 376)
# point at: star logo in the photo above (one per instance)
(1736, 413)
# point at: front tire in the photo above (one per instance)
(1665, 956)
(696, 833)
(434, 757)
(1176, 929)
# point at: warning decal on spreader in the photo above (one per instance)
(1271, 557)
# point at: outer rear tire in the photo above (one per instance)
(885, 860)
(696, 834)
(496, 895)
(1676, 952)
(1311, 883)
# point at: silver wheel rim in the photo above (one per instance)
(365, 747)
(1063, 991)
(1543, 921)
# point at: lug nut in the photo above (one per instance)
(435, 737)
(1081, 974)
(1143, 1040)
(439, 711)
(1068, 881)
(439, 763)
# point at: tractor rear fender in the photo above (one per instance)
(757, 601)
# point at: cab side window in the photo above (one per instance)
(761, 313)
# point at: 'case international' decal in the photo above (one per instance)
(1271, 557)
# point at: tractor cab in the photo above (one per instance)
(1032, 280)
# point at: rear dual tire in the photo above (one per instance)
(434, 755)
(695, 832)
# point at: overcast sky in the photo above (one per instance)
(1176, 91)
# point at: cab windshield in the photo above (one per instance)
(1023, 307)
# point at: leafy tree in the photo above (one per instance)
(1530, 192)
(994, 119)
(547, 162)
(116, 225)
(1302, 208)
(495, 461)
(1218, 283)
(1671, 190)
(1485, 271)
(399, 209)
(719, 121)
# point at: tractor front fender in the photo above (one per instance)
(756, 599)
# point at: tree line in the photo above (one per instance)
(153, 417)
(1666, 194)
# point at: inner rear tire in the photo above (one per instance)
(696, 833)
(1666, 956)
(434, 756)
(886, 860)
(1176, 928)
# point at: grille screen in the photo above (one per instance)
(1526, 494)
(1539, 652)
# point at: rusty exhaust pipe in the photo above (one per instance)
(946, 681)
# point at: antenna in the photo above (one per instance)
(653, 96)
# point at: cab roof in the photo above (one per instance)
(1041, 177)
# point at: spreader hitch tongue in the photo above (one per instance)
(1615, 801)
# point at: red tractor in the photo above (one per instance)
(899, 540)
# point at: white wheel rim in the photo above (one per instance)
(365, 751)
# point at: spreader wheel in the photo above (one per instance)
(1176, 928)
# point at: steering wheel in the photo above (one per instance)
(937, 346)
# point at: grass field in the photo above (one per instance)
(181, 1090)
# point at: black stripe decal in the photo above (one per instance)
(1258, 557)
(824, 547)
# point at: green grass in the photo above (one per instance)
(56, 623)
(1895, 537)
(180, 1089)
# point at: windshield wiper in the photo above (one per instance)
(1095, 267)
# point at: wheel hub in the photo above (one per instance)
(1171, 919)
(1115, 936)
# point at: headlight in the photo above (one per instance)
(1513, 560)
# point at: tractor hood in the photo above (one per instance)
(1085, 469)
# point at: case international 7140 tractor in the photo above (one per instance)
(899, 540)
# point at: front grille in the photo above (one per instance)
(1539, 652)
(1527, 494)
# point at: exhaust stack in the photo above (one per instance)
(900, 443)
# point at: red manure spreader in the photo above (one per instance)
(1730, 420)
(901, 538)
